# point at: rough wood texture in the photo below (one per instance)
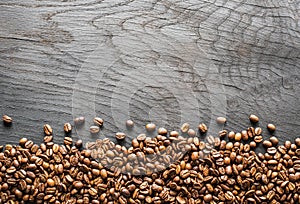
(161, 61)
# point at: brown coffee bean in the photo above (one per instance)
(6, 119)
(191, 133)
(185, 127)
(258, 139)
(98, 121)
(129, 124)
(231, 135)
(297, 142)
(202, 128)
(94, 129)
(174, 134)
(22, 141)
(150, 127)
(79, 120)
(162, 131)
(258, 131)
(238, 137)
(267, 143)
(274, 140)
(120, 136)
(221, 120)
(67, 127)
(78, 143)
(271, 127)
(208, 198)
(47, 129)
(253, 118)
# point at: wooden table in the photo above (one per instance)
(166, 62)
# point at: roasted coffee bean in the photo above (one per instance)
(6, 119)
(191, 133)
(274, 140)
(258, 139)
(162, 131)
(94, 129)
(267, 143)
(150, 127)
(67, 127)
(47, 129)
(153, 170)
(253, 118)
(271, 127)
(79, 120)
(185, 127)
(120, 135)
(221, 120)
(98, 121)
(129, 124)
(78, 144)
(202, 128)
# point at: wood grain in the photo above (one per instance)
(152, 61)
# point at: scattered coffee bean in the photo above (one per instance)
(67, 127)
(6, 119)
(94, 129)
(253, 118)
(120, 135)
(271, 127)
(274, 140)
(98, 121)
(174, 134)
(79, 120)
(129, 124)
(47, 129)
(162, 131)
(191, 133)
(150, 127)
(185, 127)
(221, 120)
(202, 128)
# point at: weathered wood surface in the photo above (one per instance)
(161, 61)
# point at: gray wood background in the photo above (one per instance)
(161, 61)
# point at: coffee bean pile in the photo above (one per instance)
(169, 168)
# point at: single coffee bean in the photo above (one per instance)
(98, 121)
(162, 131)
(244, 134)
(231, 135)
(174, 134)
(6, 119)
(271, 127)
(238, 137)
(297, 142)
(94, 129)
(253, 118)
(129, 124)
(221, 120)
(258, 139)
(185, 127)
(191, 133)
(150, 127)
(67, 127)
(202, 128)
(258, 131)
(274, 140)
(22, 141)
(267, 143)
(79, 120)
(47, 129)
(68, 140)
(120, 136)
(78, 143)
